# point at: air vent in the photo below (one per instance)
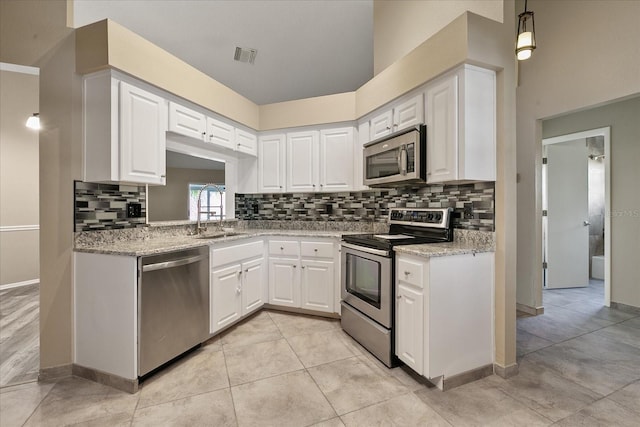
(245, 54)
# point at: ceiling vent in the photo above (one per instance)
(245, 54)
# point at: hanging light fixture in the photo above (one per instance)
(526, 41)
(33, 122)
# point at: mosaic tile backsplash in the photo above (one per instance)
(473, 204)
(104, 206)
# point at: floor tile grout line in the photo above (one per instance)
(524, 404)
(39, 403)
(226, 368)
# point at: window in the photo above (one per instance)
(212, 205)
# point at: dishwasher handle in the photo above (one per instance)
(171, 264)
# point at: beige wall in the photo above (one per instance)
(19, 255)
(60, 164)
(587, 55)
(171, 202)
(399, 26)
(624, 119)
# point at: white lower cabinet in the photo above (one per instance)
(302, 274)
(444, 313)
(238, 283)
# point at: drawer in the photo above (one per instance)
(284, 247)
(410, 272)
(236, 253)
(316, 249)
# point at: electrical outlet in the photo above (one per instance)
(256, 208)
(329, 208)
(134, 210)
(468, 212)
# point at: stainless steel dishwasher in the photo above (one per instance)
(173, 305)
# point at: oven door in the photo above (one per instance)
(367, 281)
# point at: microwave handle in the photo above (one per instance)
(402, 160)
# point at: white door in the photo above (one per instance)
(409, 326)
(187, 122)
(271, 164)
(316, 285)
(225, 294)
(408, 114)
(381, 125)
(221, 133)
(284, 282)
(442, 131)
(336, 159)
(567, 242)
(252, 285)
(302, 161)
(246, 142)
(143, 139)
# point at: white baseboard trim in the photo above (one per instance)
(5, 228)
(19, 284)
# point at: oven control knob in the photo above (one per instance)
(438, 217)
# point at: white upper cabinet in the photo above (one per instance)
(124, 132)
(220, 133)
(246, 142)
(460, 119)
(336, 159)
(187, 122)
(271, 164)
(402, 115)
(302, 169)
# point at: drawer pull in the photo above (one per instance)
(282, 248)
(406, 273)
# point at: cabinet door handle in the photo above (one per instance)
(406, 273)
(295, 266)
(399, 297)
(388, 127)
(302, 267)
(247, 270)
(281, 248)
(240, 273)
(315, 250)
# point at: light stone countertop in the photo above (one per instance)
(445, 249)
(157, 245)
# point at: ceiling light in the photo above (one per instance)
(526, 41)
(33, 122)
(245, 54)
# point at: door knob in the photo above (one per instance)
(586, 223)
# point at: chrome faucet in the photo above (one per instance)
(199, 227)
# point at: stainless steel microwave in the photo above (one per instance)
(397, 159)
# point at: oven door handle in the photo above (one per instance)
(364, 249)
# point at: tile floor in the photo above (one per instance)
(579, 365)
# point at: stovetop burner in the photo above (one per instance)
(408, 227)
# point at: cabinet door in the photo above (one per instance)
(143, 126)
(284, 282)
(271, 164)
(316, 285)
(253, 282)
(381, 125)
(409, 326)
(246, 142)
(408, 113)
(221, 133)
(186, 122)
(336, 159)
(442, 131)
(226, 301)
(302, 155)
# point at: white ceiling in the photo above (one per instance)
(306, 48)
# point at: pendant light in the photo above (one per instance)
(33, 122)
(526, 41)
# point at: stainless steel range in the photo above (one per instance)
(367, 266)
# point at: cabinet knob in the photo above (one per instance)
(281, 186)
(211, 136)
(302, 267)
(295, 266)
(406, 273)
(281, 248)
(240, 273)
(247, 270)
(399, 297)
(204, 133)
(315, 250)
(395, 125)
(238, 290)
(388, 127)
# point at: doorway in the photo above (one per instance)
(576, 204)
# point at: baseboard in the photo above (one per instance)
(534, 311)
(19, 284)
(55, 373)
(301, 311)
(123, 384)
(626, 308)
(453, 381)
(505, 371)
